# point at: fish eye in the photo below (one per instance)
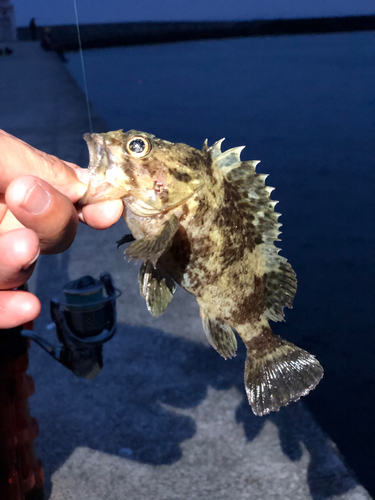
(137, 147)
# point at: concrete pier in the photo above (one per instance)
(167, 418)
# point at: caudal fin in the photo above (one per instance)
(277, 372)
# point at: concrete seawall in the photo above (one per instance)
(117, 34)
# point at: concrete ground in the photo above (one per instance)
(166, 418)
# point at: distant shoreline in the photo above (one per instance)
(142, 33)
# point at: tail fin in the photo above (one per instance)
(277, 372)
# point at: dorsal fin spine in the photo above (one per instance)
(269, 189)
(215, 149)
(229, 159)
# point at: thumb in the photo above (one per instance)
(42, 208)
(19, 159)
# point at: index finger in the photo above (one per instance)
(19, 159)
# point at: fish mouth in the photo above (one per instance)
(103, 192)
(140, 208)
(144, 209)
(108, 181)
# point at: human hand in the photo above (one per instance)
(38, 216)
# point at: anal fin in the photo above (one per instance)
(156, 287)
(151, 248)
(277, 372)
(220, 336)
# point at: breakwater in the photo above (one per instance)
(141, 33)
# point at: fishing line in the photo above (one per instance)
(83, 66)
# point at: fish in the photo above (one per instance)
(204, 220)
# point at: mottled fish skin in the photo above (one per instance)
(205, 220)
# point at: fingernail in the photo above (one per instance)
(26, 267)
(37, 200)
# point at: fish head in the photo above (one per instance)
(157, 175)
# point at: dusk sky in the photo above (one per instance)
(49, 12)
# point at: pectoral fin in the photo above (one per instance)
(127, 238)
(220, 336)
(156, 287)
(150, 249)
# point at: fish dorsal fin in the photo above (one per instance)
(215, 149)
(230, 159)
(261, 221)
(205, 147)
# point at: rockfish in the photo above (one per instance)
(205, 220)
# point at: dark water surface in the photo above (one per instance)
(305, 106)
